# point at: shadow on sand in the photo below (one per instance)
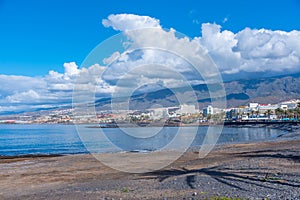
(238, 177)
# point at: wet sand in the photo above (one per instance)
(256, 170)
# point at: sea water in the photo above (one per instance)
(23, 139)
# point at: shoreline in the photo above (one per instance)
(288, 135)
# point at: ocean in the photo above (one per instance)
(24, 139)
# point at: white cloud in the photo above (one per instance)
(124, 22)
(252, 50)
(220, 44)
(11, 84)
(225, 20)
(156, 46)
(249, 50)
(21, 93)
(71, 70)
(24, 97)
(112, 58)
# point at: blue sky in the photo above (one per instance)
(44, 42)
(39, 36)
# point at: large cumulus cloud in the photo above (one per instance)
(248, 51)
(150, 46)
(252, 50)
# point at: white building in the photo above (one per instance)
(253, 106)
(284, 106)
(186, 109)
(263, 108)
(209, 110)
(159, 113)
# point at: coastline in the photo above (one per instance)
(286, 135)
(268, 169)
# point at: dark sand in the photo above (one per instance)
(253, 171)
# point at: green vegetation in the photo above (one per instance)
(270, 177)
(291, 113)
(125, 190)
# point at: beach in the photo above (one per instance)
(261, 170)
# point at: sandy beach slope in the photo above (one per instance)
(257, 170)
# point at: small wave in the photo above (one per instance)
(139, 151)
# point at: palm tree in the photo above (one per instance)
(269, 112)
(297, 112)
(238, 115)
(285, 113)
(209, 117)
(279, 112)
(290, 113)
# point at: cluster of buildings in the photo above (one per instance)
(183, 114)
(288, 110)
(60, 116)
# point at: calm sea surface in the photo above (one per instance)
(17, 139)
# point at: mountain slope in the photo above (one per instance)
(240, 92)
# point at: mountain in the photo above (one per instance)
(238, 92)
(264, 90)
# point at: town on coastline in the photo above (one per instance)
(168, 116)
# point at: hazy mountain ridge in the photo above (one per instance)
(266, 90)
(239, 92)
